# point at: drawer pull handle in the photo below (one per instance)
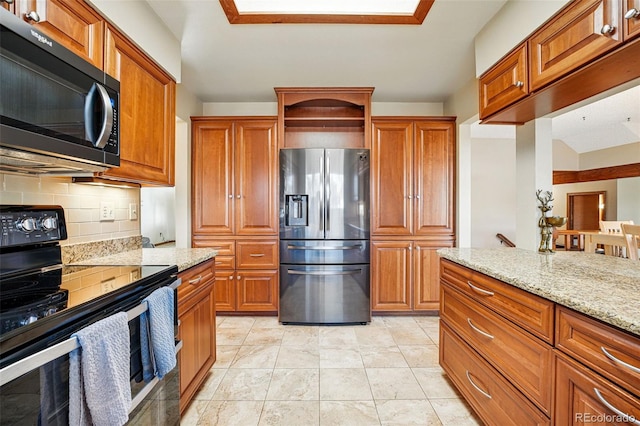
(479, 290)
(256, 254)
(617, 361)
(476, 386)
(624, 417)
(195, 280)
(484, 333)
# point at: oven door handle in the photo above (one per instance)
(45, 356)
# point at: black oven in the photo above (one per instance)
(44, 302)
(54, 103)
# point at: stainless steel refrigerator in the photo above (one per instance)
(324, 236)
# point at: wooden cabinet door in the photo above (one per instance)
(505, 83)
(257, 290)
(225, 291)
(147, 114)
(391, 275)
(632, 22)
(392, 178)
(434, 178)
(574, 38)
(426, 276)
(73, 24)
(197, 332)
(256, 174)
(212, 177)
(583, 397)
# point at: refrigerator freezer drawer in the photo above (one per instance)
(323, 252)
(329, 294)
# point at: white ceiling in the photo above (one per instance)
(404, 63)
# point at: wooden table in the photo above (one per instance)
(568, 238)
(608, 239)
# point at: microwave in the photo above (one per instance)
(58, 112)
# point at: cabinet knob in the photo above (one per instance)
(607, 30)
(238, 196)
(417, 197)
(32, 16)
(519, 84)
(230, 195)
(631, 13)
(231, 278)
(239, 277)
(409, 197)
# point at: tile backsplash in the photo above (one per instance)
(81, 205)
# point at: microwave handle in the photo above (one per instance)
(98, 93)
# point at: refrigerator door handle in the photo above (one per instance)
(353, 247)
(352, 272)
(327, 192)
(321, 224)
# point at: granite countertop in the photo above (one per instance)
(603, 287)
(184, 258)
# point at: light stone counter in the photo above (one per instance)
(603, 287)
(184, 258)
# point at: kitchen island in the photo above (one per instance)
(542, 339)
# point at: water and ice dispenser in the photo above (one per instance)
(297, 213)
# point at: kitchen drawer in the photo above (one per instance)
(589, 341)
(194, 278)
(224, 247)
(520, 357)
(584, 397)
(225, 262)
(529, 311)
(493, 398)
(257, 254)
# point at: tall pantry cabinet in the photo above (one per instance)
(234, 187)
(412, 202)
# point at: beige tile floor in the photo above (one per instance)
(384, 373)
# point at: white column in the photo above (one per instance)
(463, 202)
(534, 171)
(183, 185)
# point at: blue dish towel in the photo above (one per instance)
(156, 334)
(99, 388)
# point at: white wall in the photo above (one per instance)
(158, 221)
(271, 108)
(611, 197)
(493, 191)
(564, 157)
(629, 199)
(624, 154)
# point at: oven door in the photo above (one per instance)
(39, 393)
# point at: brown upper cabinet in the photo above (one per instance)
(505, 83)
(324, 117)
(588, 47)
(234, 176)
(631, 14)
(582, 32)
(147, 114)
(73, 24)
(147, 92)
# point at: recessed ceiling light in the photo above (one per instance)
(326, 11)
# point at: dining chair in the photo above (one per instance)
(632, 238)
(614, 226)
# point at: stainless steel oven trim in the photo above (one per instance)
(30, 363)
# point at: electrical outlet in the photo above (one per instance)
(133, 211)
(107, 211)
